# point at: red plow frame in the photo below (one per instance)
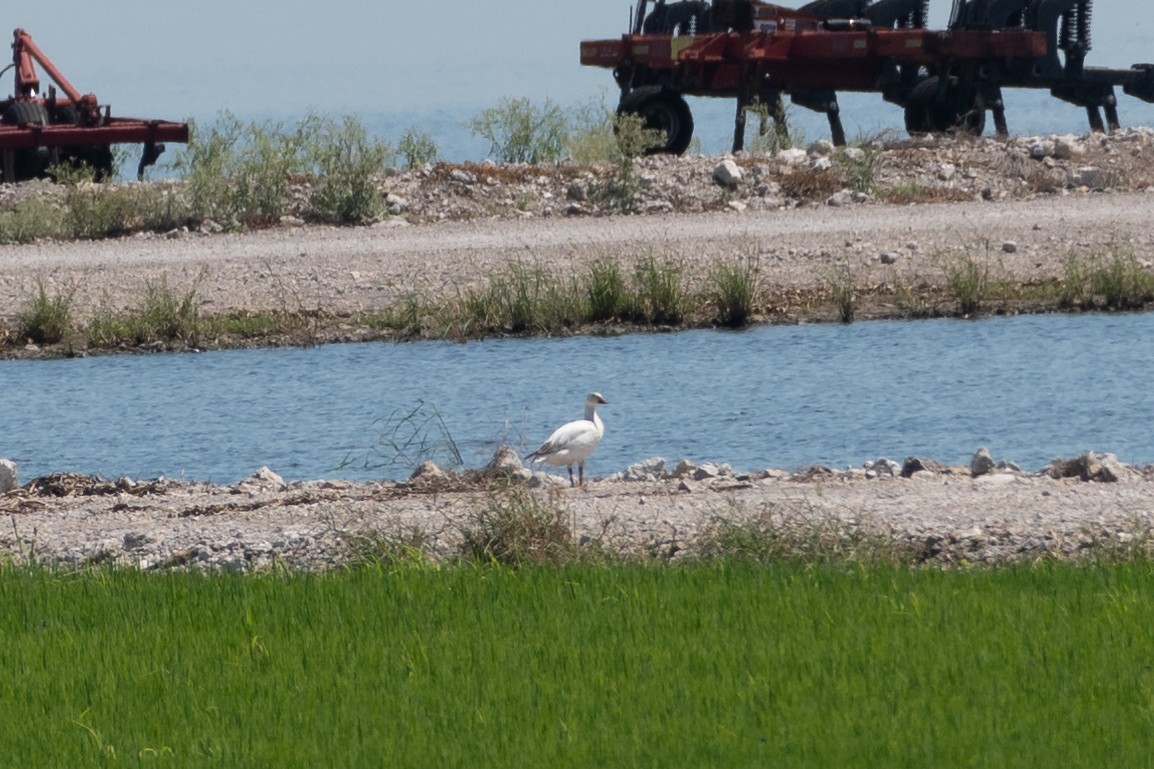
(38, 132)
(945, 80)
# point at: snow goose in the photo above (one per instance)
(571, 443)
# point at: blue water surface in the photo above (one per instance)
(1029, 388)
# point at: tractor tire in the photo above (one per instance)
(663, 111)
(959, 112)
(33, 162)
(97, 157)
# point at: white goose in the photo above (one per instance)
(571, 443)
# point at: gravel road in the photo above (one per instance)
(348, 269)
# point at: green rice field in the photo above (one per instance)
(706, 665)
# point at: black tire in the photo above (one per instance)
(30, 163)
(97, 157)
(664, 111)
(960, 111)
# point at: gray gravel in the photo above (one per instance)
(946, 518)
(350, 269)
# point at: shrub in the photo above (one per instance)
(519, 132)
(592, 136)
(416, 148)
(348, 166)
(772, 135)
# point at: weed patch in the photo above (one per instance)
(517, 528)
(47, 318)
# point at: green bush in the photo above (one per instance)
(416, 148)
(519, 132)
(348, 165)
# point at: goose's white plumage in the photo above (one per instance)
(573, 442)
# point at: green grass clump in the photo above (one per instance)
(731, 664)
(522, 299)
(163, 315)
(779, 535)
(841, 286)
(661, 295)
(608, 292)
(1121, 281)
(733, 291)
(47, 318)
(967, 279)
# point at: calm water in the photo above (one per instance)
(1029, 388)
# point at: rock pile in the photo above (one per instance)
(924, 170)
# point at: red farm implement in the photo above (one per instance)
(945, 80)
(39, 132)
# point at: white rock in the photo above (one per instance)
(727, 173)
(9, 478)
(1041, 149)
(1066, 147)
(840, 198)
(792, 156)
(505, 461)
(821, 147)
(263, 479)
(652, 469)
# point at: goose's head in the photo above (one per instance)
(595, 399)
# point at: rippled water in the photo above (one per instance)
(1028, 388)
